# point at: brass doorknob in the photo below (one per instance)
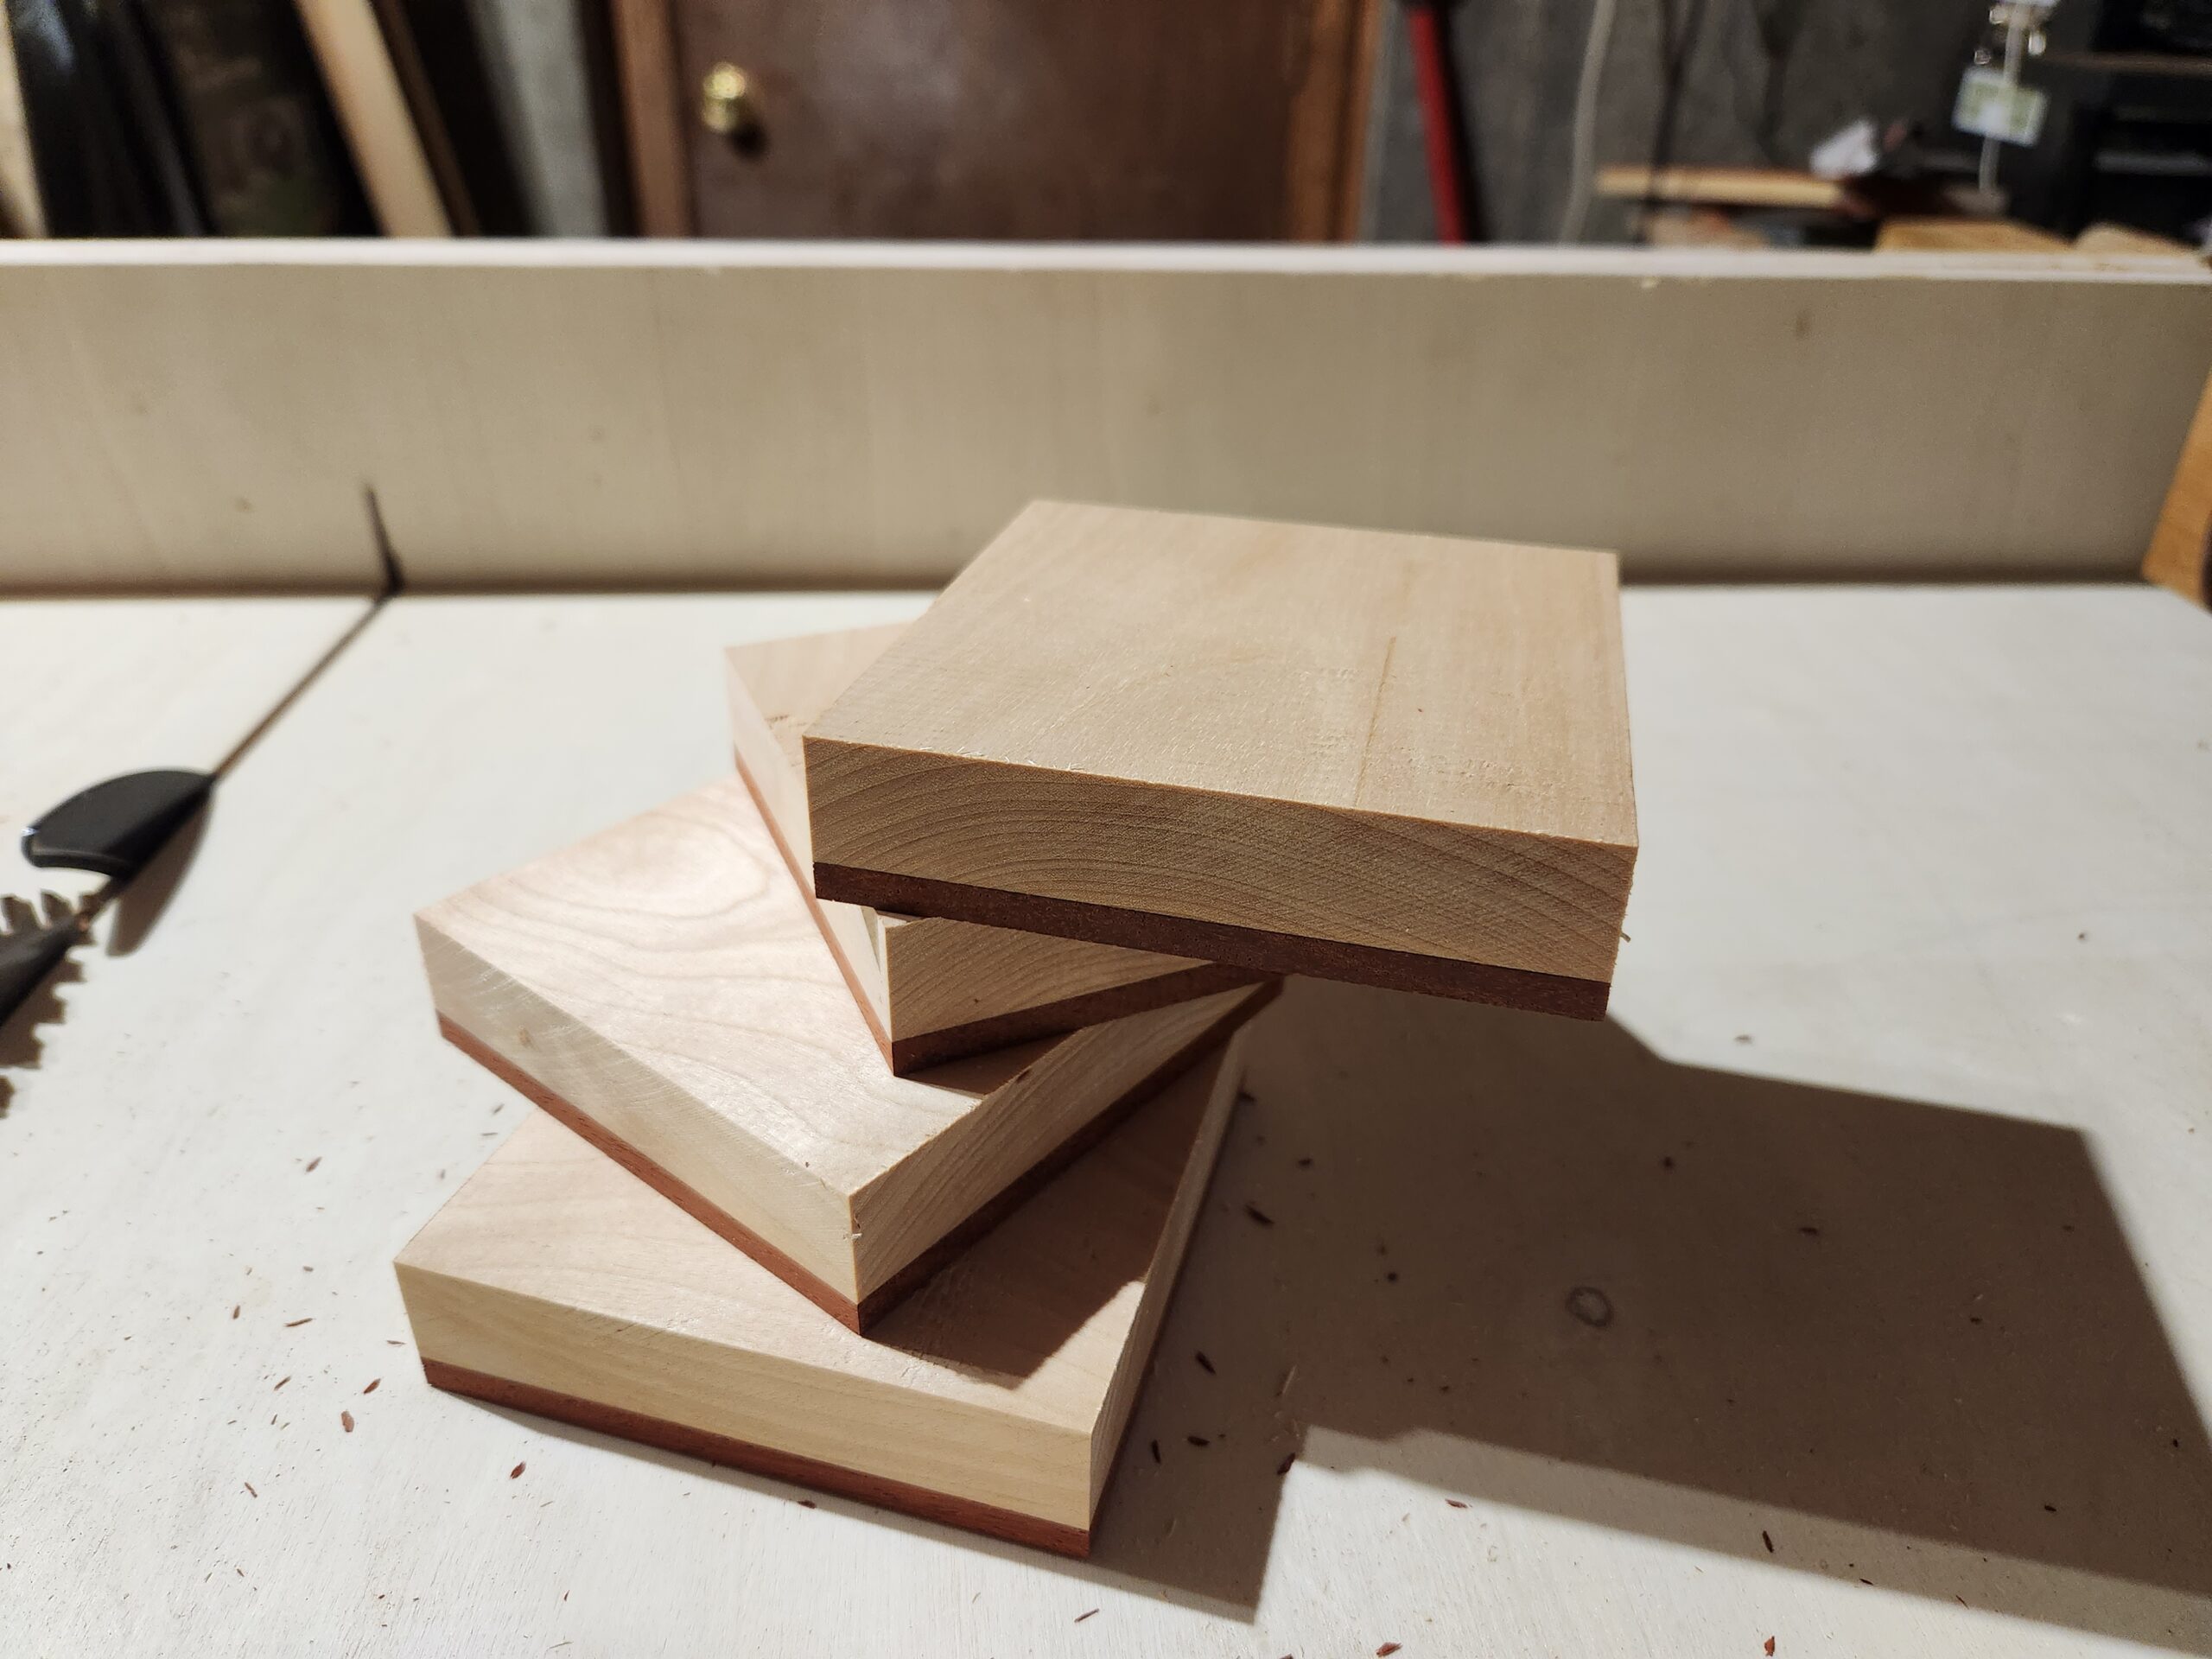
(726, 101)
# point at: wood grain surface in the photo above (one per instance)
(1875, 826)
(599, 415)
(934, 989)
(1000, 1392)
(1395, 758)
(754, 1458)
(664, 983)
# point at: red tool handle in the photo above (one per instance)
(1440, 111)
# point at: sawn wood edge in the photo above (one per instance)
(862, 1315)
(906, 1055)
(1009, 1524)
(1222, 941)
(805, 883)
(1071, 1013)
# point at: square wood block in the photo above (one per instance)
(1401, 759)
(931, 989)
(662, 988)
(994, 1398)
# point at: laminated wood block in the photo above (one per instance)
(1401, 759)
(662, 988)
(994, 1398)
(931, 989)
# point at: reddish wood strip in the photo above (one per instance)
(915, 1052)
(1276, 953)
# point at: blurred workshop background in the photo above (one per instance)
(1836, 123)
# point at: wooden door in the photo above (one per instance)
(1124, 119)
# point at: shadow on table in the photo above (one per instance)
(1532, 1262)
(20, 1046)
(140, 905)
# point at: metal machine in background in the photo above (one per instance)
(2124, 93)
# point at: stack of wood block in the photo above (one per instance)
(882, 1081)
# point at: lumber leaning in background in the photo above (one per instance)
(620, 414)
(371, 104)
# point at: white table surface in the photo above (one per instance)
(91, 688)
(95, 687)
(1886, 1187)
